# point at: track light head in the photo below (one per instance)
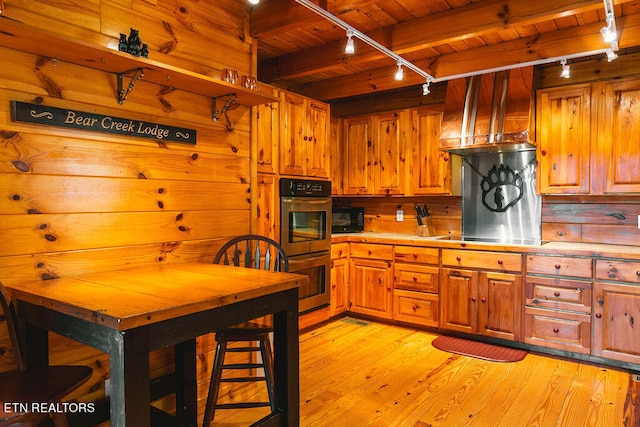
(611, 55)
(350, 48)
(399, 73)
(425, 88)
(254, 1)
(608, 34)
(565, 69)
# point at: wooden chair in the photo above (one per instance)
(26, 385)
(249, 251)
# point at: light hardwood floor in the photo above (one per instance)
(356, 373)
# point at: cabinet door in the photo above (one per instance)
(358, 156)
(339, 289)
(370, 287)
(267, 207)
(267, 137)
(616, 334)
(336, 153)
(459, 300)
(389, 153)
(292, 143)
(563, 135)
(618, 135)
(501, 305)
(430, 166)
(317, 139)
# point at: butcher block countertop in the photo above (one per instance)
(550, 248)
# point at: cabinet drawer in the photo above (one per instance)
(498, 261)
(625, 271)
(559, 266)
(557, 329)
(372, 251)
(339, 250)
(417, 255)
(415, 307)
(414, 277)
(562, 294)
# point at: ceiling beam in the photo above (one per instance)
(453, 25)
(573, 41)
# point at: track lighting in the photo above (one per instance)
(350, 48)
(425, 88)
(565, 68)
(611, 55)
(609, 33)
(399, 73)
(254, 1)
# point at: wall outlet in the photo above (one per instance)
(636, 377)
(400, 215)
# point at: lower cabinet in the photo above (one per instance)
(339, 292)
(478, 301)
(616, 320)
(416, 284)
(558, 303)
(371, 280)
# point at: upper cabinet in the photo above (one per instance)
(563, 133)
(304, 142)
(588, 138)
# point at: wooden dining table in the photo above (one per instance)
(129, 312)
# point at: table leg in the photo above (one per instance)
(130, 396)
(186, 383)
(287, 361)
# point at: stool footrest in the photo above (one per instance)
(242, 379)
(241, 405)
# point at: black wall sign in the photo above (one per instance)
(51, 116)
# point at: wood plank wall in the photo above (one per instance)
(75, 202)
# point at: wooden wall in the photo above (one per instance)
(75, 202)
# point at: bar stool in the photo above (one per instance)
(249, 251)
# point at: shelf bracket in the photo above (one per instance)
(230, 102)
(138, 74)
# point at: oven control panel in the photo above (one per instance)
(304, 188)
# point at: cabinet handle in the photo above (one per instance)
(598, 315)
(558, 266)
(638, 273)
(556, 330)
(483, 300)
(543, 152)
(500, 262)
(369, 252)
(415, 256)
(458, 259)
(415, 279)
(556, 294)
(473, 299)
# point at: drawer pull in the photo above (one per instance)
(638, 273)
(474, 299)
(500, 262)
(556, 294)
(557, 266)
(483, 300)
(556, 330)
(458, 259)
(415, 256)
(598, 315)
(369, 251)
(415, 279)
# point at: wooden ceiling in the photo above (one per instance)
(301, 51)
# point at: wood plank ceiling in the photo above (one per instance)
(300, 51)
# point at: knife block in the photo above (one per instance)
(427, 229)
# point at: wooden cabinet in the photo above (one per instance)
(371, 280)
(267, 137)
(558, 303)
(617, 310)
(563, 136)
(339, 279)
(618, 136)
(336, 154)
(304, 142)
(416, 285)
(267, 207)
(374, 154)
(481, 293)
(587, 138)
(431, 168)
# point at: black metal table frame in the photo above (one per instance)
(129, 350)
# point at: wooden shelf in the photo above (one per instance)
(19, 36)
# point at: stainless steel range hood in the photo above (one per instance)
(490, 112)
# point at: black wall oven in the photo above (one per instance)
(305, 236)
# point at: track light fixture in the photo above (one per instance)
(565, 68)
(399, 72)
(611, 55)
(350, 48)
(609, 33)
(425, 87)
(254, 1)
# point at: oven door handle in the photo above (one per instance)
(307, 200)
(302, 262)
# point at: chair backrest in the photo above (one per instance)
(253, 251)
(11, 321)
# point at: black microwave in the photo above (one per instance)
(347, 219)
